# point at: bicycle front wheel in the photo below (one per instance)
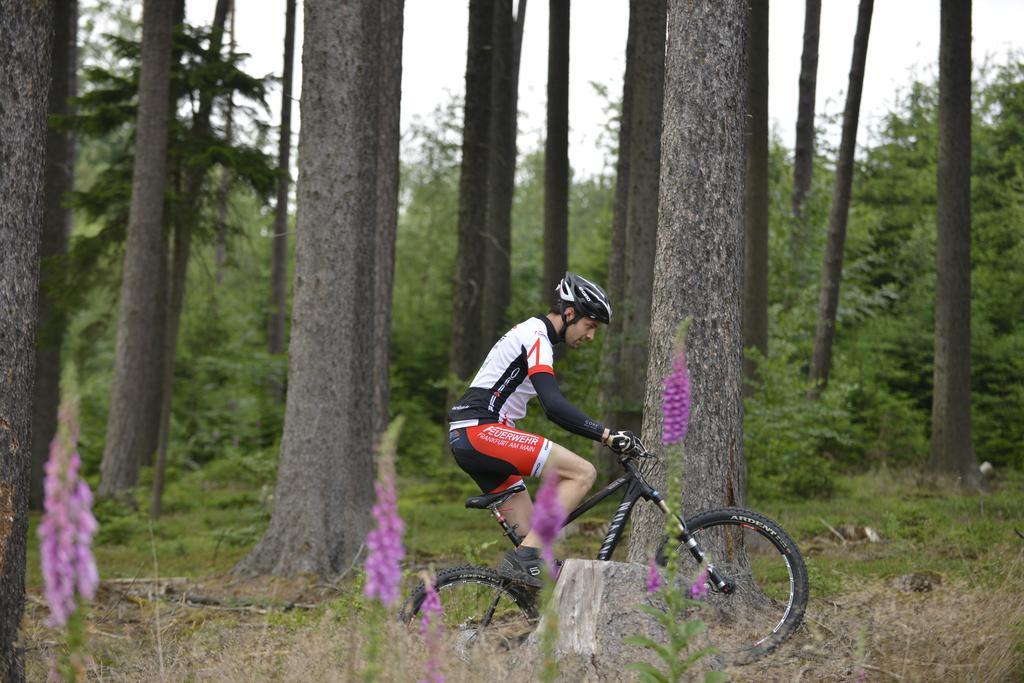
(766, 582)
(481, 611)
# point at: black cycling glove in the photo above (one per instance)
(624, 442)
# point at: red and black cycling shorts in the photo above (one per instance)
(497, 456)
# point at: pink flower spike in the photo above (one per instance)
(67, 527)
(699, 589)
(430, 629)
(548, 518)
(384, 546)
(653, 577)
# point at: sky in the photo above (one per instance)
(904, 41)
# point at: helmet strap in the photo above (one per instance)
(566, 322)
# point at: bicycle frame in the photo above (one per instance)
(637, 489)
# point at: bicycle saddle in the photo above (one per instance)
(488, 499)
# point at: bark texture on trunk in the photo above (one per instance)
(952, 449)
(188, 215)
(279, 250)
(60, 163)
(832, 270)
(803, 155)
(325, 478)
(755, 261)
(24, 69)
(508, 33)
(467, 297)
(224, 191)
(556, 153)
(605, 460)
(131, 431)
(699, 259)
(389, 135)
(634, 308)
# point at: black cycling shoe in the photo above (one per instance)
(523, 565)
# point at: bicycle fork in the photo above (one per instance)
(716, 578)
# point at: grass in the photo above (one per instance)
(276, 629)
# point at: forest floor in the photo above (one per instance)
(939, 597)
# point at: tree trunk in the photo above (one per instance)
(755, 261)
(25, 30)
(223, 193)
(279, 257)
(596, 607)
(508, 34)
(803, 156)
(605, 460)
(556, 152)
(832, 271)
(187, 216)
(641, 215)
(467, 351)
(140, 330)
(60, 165)
(390, 93)
(325, 478)
(952, 449)
(699, 259)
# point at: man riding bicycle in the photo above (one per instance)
(483, 436)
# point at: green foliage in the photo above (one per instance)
(792, 441)
(877, 409)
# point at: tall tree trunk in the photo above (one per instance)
(606, 461)
(556, 151)
(389, 134)
(755, 260)
(497, 294)
(699, 264)
(467, 351)
(140, 330)
(279, 257)
(952, 449)
(185, 220)
(60, 167)
(832, 271)
(803, 156)
(223, 193)
(324, 484)
(641, 214)
(25, 30)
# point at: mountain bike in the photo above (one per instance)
(757, 580)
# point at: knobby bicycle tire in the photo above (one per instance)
(478, 605)
(750, 545)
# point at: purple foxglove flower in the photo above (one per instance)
(699, 589)
(430, 627)
(384, 544)
(67, 527)
(675, 399)
(548, 517)
(653, 577)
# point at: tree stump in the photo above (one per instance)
(597, 607)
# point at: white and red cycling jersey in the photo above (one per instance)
(518, 367)
(502, 387)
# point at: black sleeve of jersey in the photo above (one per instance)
(560, 411)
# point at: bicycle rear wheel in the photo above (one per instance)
(767, 591)
(481, 611)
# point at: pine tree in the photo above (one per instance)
(952, 449)
(698, 267)
(324, 486)
(131, 432)
(832, 270)
(25, 30)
